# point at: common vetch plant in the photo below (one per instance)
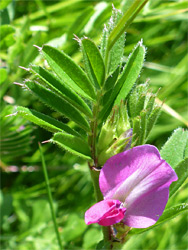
(112, 116)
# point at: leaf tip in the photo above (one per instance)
(76, 38)
(43, 142)
(26, 69)
(10, 115)
(39, 48)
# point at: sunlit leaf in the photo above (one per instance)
(126, 80)
(182, 172)
(52, 100)
(55, 84)
(69, 71)
(131, 72)
(44, 121)
(174, 149)
(93, 61)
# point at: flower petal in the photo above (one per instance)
(146, 211)
(131, 171)
(105, 213)
(140, 179)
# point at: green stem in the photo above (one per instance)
(99, 197)
(50, 199)
(93, 125)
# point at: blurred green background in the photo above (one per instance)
(25, 215)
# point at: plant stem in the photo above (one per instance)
(99, 197)
(50, 199)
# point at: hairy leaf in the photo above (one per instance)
(127, 79)
(116, 53)
(151, 120)
(73, 144)
(44, 121)
(55, 84)
(55, 102)
(93, 61)
(182, 173)
(174, 149)
(69, 71)
(131, 72)
(111, 80)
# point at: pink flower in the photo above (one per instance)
(135, 185)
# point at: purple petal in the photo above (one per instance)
(146, 211)
(140, 179)
(105, 213)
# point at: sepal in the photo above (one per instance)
(114, 127)
(121, 144)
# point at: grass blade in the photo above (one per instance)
(50, 198)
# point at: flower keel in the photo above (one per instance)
(105, 213)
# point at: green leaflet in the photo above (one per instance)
(73, 144)
(151, 120)
(167, 215)
(116, 53)
(44, 121)
(69, 72)
(127, 79)
(57, 103)
(143, 124)
(93, 62)
(137, 100)
(111, 80)
(136, 131)
(131, 72)
(108, 87)
(174, 149)
(182, 173)
(55, 84)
